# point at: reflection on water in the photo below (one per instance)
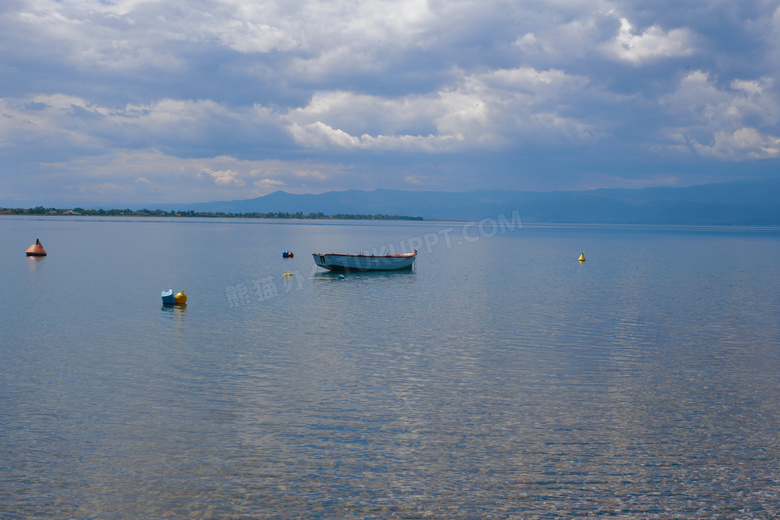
(176, 314)
(34, 262)
(177, 309)
(363, 275)
(501, 379)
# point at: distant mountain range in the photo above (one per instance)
(751, 202)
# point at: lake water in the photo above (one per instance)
(501, 378)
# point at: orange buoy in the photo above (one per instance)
(36, 249)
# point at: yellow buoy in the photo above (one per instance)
(180, 297)
(582, 257)
(287, 274)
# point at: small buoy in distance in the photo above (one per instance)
(582, 257)
(180, 297)
(287, 274)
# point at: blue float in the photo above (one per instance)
(168, 298)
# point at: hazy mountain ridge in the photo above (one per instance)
(753, 202)
(749, 202)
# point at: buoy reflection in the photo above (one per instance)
(178, 310)
(34, 262)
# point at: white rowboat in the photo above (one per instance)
(347, 263)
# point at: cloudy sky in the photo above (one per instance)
(136, 101)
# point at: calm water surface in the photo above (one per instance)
(499, 379)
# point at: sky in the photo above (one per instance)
(154, 101)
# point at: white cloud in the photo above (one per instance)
(753, 87)
(320, 135)
(483, 111)
(73, 125)
(309, 174)
(744, 143)
(652, 44)
(269, 184)
(528, 43)
(248, 37)
(224, 177)
(738, 122)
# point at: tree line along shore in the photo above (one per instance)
(40, 210)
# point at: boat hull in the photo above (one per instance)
(361, 263)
